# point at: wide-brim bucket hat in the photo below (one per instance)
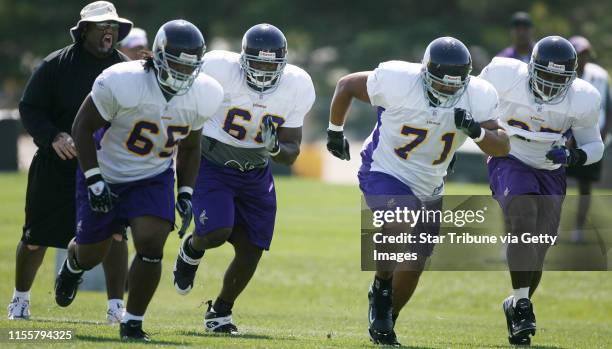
(100, 11)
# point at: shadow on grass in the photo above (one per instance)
(222, 335)
(88, 338)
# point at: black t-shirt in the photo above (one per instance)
(57, 89)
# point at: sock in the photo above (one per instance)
(520, 293)
(222, 307)
(395, 316)
(382, 284)
(127, 317)
(115, 303)
(24, 296)
(73, 269)
(190, 252)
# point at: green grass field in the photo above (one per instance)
(309, 291)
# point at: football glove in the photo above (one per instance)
(101, 198)
(269, 135)
(338, 145)
(185, 210)
(560, 154)
(465, 122)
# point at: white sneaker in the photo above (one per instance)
(115, 315)
(19, 309)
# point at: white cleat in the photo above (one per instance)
(19, 309)
(115, 315)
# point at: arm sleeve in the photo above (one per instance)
(587, 135)
(589, 140)
(36, 106)
(305, 100)
(104, 98)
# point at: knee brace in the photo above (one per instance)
(149, 259)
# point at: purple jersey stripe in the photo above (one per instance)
(368, 151)
(99, 134)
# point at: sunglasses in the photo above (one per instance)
(107, 25)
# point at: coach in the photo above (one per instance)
(48, 107)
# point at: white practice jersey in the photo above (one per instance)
(144, 127)
(412, 140)
(544, 124)
(238, 121)
(598, 77)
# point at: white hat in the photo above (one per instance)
(101, 11)
(136, 37)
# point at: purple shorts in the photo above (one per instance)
(146, 197)
(385, 192)
(510, 179)
(225, 197)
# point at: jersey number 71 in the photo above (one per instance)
(421, 135)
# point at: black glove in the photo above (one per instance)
(338, 145)
(465, 122)
(101, 198)
(560, 154)
(269, 135)
(185, 209)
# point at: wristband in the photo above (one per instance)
(336, 128)
(185, 189)
(92, 172)
(483, 133)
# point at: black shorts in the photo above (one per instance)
(50, 201)
(591, 173)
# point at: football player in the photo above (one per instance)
(234, 200)
(539, 102)
(126, 134)
(425, 112)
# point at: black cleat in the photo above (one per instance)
(184, 271)
(132, 331)
(384, 338)
(380, 311)
(66, 286)
(520, 321)
(219, 322)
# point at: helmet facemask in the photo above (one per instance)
(446, 91)
(263, 71)
(550, 83)
(176, 74)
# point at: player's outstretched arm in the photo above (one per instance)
(348, 87)
(87, 121)
(488, 135)
(289, 140)
(495, 141)
(188, 159)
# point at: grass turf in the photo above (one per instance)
(309, 291)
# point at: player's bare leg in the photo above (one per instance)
(405, 280)
(149, 234)
(191, 253)
(380, 295)
(79, 259)
(115, 271)
(584, 203)
(27, 262)
(522, 259)
(218, 317)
